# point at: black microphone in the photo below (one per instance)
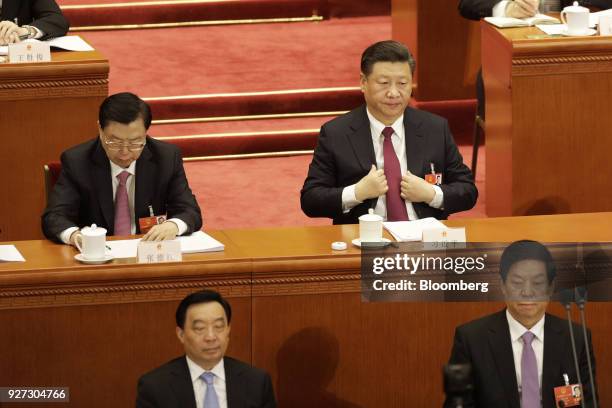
(567, 297)
(581, 298)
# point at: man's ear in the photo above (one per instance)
(502, 285)
(180, 334)
(362, 81)
(99, 128)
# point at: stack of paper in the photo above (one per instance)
(506, 22)
(8, 253)
(405, 231)
(196, 242)
(68, 43)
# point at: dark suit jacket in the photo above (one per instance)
(42, 14)
(477, 9)
(170, 386)
(485, 344)
(83, 194)
(345, 154)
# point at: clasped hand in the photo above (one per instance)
(413, 188)
(10, 32)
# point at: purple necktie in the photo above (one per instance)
(530, 384)
(122, 207)
(396, 207)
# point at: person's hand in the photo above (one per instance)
(522, 8)
(76, 235)
(10, 32)
(162, 232)
(415, 189)
(372, 185)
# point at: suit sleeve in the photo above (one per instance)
(320, 196)
(460, 193)
(181, 202)
(476, 9)
(47, 17)
(584, 373)
(62, 211)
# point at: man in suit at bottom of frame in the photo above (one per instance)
(205, 377)
(520, 354)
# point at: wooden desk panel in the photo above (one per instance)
(44, 109)
(547, 122)
(297, 313)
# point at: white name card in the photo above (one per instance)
(24, 52)
(162, 251)
(444, 235)
(605, 24)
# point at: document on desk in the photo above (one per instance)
(407, 231)
(67, 43)
(508, 22)
(9, 253)
(197, 242)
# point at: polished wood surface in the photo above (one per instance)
(548, 120)
(445, 45)
(44, 109)
(297, 313)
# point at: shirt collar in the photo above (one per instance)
(517, 329)
(116, 170)
(196, 371)
(377, 126)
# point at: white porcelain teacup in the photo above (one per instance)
(576, 18)
(93, 242)
(370, 227)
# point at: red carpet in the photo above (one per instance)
(225, 188)
(242, 58)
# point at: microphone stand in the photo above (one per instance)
(566, 300)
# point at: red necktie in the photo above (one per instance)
(122, 207)
(396, 207)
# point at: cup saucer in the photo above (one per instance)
(382, 243)
(588, 32)
(81, 258)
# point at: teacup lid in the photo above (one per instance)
(370, 216)
(93, 231)
(576, 8)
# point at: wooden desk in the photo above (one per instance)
(297, 313)
(44, 109)
(548, 122)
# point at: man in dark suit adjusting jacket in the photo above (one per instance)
(519, 355)
(346, 176)
(205, 378)
(41, 19)
(119, 177)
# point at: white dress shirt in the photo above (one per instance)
(131, 187)
(399, 145)
(516, 331)
(199, 385)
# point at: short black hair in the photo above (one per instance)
(526, 249)
(124, 107)
(386, 51)
(202, 296)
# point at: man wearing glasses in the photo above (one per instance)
(121, 177)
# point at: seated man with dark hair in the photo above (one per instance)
(379, 155)
(205, 377)
(23, 19)
(120, 177)
(519, 355)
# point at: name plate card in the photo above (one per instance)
(162, 251)
(444, 235)
(25, 52)
(605, 25)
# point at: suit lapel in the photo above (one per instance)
(146, 172)
(361, 140)
(414, 142)
(501, 348)
(180, 383)
(554, 348)
(103, 185)
(233, 384)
